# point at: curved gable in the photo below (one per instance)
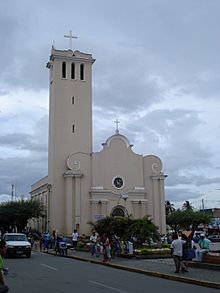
(117, 136)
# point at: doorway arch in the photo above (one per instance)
(119, 211)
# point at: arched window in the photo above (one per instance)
(73, 128)
(73, 76)
(64, 70)
(118, 212)
(73, 100)
(82, 71)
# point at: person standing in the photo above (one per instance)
(46, 238)
(3, 249)
(107, 248)
(187, 246)
(53, 239)
(93, 243)
(75, 236)
(177, 252)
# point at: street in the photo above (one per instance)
(45, 273)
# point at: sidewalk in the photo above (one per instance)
(163, 268)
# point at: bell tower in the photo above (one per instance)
(70, 121)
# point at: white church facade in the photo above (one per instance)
(83, 185)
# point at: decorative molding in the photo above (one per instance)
(116, 136)
(97, 201)
(144, 201)
(97, 188)
(72, 173)
(139, 188)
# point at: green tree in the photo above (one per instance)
(17, 213)
(112, 225)
(187, 219)
(143, 230)
(173, 220)
(169, 207)
(187, 206)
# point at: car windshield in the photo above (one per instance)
(15, 238)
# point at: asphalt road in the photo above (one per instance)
(48, 273)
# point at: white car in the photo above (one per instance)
(17, 244)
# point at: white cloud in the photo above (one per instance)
(156, 70)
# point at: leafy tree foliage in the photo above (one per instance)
(142, 229)
(187, 219)
(187, 206)
(17, 213)
(169, 207)
(112, 225)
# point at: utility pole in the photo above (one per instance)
(203, 205)
(12, 192)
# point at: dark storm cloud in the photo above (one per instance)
(127, 85)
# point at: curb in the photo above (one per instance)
(209, 266)
(148, 273)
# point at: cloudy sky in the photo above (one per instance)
(157, 70)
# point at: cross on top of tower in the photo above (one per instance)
(116, 122)
(70, 37)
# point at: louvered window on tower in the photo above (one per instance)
(73, 128)
(73, 100)
(82, 71)
(64, 70)
(73, 76)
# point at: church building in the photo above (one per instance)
(83, 185)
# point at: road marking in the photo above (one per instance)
(49, 267)
(108, 287)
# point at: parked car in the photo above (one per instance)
(17, 244)
(214, 238)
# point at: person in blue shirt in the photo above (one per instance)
(203, 247)
(46, 239)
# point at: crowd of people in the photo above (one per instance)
(184, 248)
(104, 245)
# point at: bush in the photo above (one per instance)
(165, 245)
(154, 251)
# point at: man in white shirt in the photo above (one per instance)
(75, 236)
(93, 243)
(177, 252)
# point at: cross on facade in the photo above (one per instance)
(70, 37)
(117, 122)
